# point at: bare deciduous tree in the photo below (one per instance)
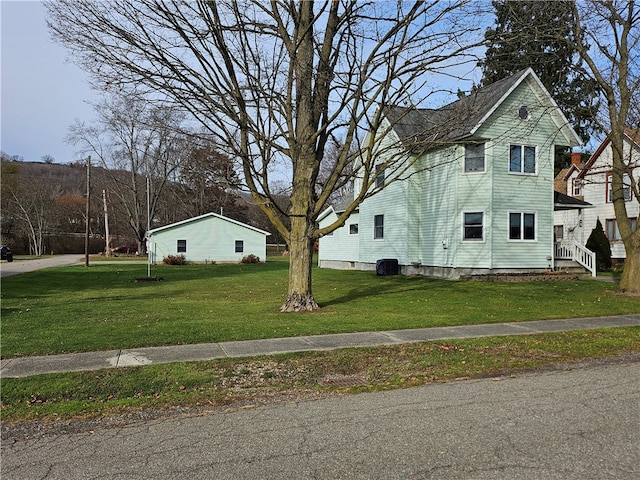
(208, 182)
(612, 28)
(33, 201)
(140, 147)
(275, 82)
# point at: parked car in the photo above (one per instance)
(6, 253)
(125, 249)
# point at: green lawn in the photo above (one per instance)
(75, 309)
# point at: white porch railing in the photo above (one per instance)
(572, 250)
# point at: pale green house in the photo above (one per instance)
(480, 200)
(207, 238)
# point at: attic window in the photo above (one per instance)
(523, 112)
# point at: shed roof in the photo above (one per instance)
(205, 216)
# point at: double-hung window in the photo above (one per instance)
(558, 232)
(239, 246)
(474, 157)
(626, 188)
(181, 246)
(522, 226)
(378, 226)
(611, 226)
(522, 159)
(472, 229)
(577, 187)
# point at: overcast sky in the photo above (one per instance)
(42, 92)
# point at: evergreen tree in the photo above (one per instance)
(599, 243)
(539, 35)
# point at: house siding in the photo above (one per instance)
(340, 245)
(529, 193)
(424, 214)
(392, 203)
(439, 213)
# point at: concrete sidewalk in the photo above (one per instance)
(74, 362)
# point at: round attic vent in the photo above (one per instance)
(523, 112)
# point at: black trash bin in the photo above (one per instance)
(387, 266)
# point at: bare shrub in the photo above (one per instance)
(251, 258)
(174, 260)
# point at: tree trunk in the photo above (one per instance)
(300, 297)
(630, 281)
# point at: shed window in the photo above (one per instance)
(239, 246)
(353, 229)
(182, 246)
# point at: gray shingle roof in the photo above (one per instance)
(456, 121)
(565, 202)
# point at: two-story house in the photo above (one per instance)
(591, 183)
(481, 200)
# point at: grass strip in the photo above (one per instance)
(59, 397)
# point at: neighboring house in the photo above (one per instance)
(481, 201)
(207, 238)
(591, 182)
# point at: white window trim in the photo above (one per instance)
(484, 228)
(535, 227)
(626, 182)
(378, 239)
(522, 146)
(577, 182)
(464, 160)
(380, 177)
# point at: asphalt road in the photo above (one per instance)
(582, 423)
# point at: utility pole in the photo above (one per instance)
(87, 213)
(107, 237)
(148, 246)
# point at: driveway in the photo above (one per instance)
(22, 266)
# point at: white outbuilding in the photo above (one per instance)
(207, 238)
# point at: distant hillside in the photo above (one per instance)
(67, 182)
